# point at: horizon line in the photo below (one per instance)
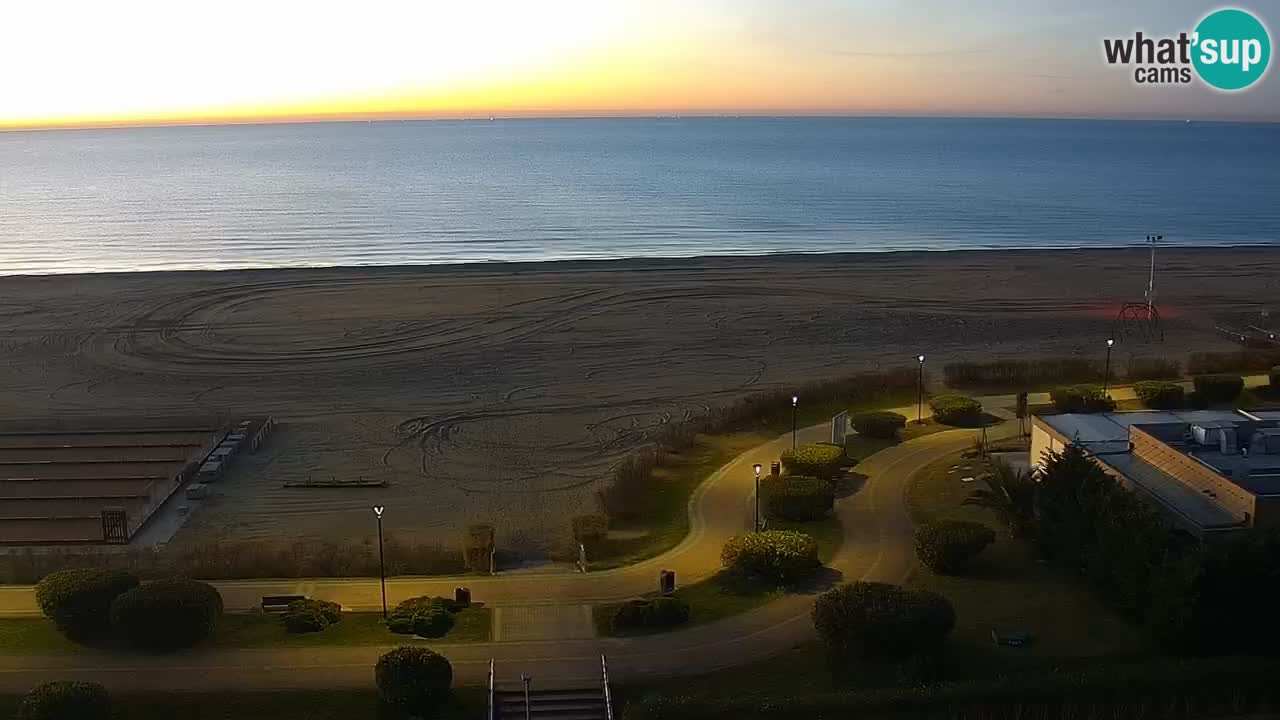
(483, 117)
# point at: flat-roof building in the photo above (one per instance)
(1212, 471)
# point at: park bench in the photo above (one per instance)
(279, 603)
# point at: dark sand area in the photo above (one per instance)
(503, 393)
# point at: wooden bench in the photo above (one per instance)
(279, 603)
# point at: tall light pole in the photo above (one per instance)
(920, 391)
(755, 526)
(382, 563)
(795, 400)
(1106, 375)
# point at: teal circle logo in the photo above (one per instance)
(1232, 49)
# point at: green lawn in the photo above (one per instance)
(37, 636)
(468, 704)
(1009, 587)
(724, 595)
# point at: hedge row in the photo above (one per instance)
(1160, 394)
(949, 547)
(797, 497)
(1152, 368)
(956, 410)
(878, 423)
(780, 556)
(425, 616)
(1218, 388)
(1081, 399)
(819, 460)
(875, 620)
(66, 700)
(166, 614)
(163, 615)
(651, 613)
(1232, 687)
(1239, 361)
(308, 615)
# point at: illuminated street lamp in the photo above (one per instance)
(756, 524)
(382, 563)
(795, 400)
(920, 391)
(1106, 376)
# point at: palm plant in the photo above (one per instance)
(1010, 494)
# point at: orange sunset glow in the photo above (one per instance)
(75, 62)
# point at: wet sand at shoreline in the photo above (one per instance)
(503, 393)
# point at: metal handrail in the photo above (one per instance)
(608, 696)
(492, 692)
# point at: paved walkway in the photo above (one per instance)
(542, 622)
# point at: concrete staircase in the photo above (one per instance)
(589, 699)
(566, 704)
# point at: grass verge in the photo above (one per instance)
(37, 636)
(724, 595)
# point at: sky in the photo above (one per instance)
(89, 62)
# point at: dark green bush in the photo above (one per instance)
(79, 601)
(1218, 388)
(876, 620)
(651, 613)
(949, 547)
(1160, 394)
(797, 497)
(878, 423)
(1081, 399)
(64, 700)
(818, 460)
(414, 679)
(1151, 368)
(423, 616)
(780, 556)
(1274, 377)
(304, 616)
(959, 410)
(167, 614)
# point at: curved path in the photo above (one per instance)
(877, 545)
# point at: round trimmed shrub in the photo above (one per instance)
(956, 410)
(797, 497)
(651, 613)
(79, 601)
(590, 528)
(1218, 388)
(413, 679)
(1160, 394)
(424, 616)
(949, 547)
(1081, 399)
(167, 614)
(818, 460)
(878, 423)
(1274, 377)
(781, 556)
(65, 700)
(304, 616)
(876, 620)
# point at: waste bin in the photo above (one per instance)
(462, 596)
(667, 582)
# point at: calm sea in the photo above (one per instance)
(465, 191)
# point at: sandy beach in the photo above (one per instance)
(503, 393)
